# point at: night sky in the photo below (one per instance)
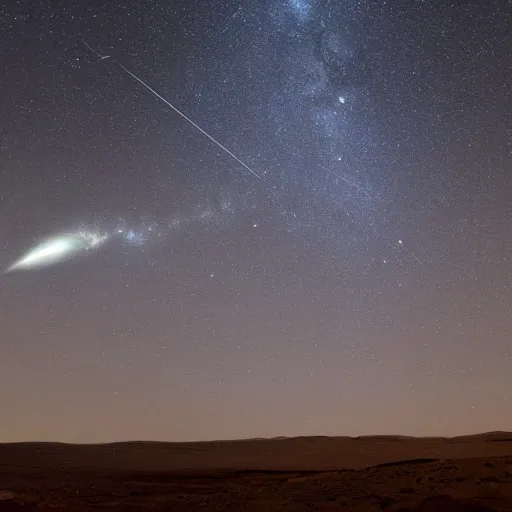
(344, 271)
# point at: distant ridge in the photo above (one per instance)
(494, 436)
(275, 454)
(498, 435)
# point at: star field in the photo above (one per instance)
(297, 217)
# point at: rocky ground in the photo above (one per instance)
(419, 484)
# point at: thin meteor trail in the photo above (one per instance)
(224, 148)
(101, 57)
(349, 182)
(191, 122)
(417, 259)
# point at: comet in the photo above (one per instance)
(57, 249)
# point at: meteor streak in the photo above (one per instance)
(190, 121)
(349, 182)
(152, 91)
(100, 57)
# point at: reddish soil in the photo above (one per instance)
(471, 473)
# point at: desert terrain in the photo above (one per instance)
(394, 473)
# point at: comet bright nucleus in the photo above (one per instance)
(57, 249)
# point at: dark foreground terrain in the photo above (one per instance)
(471, 473)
